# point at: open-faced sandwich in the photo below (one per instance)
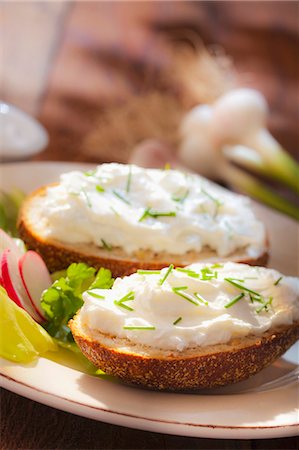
(201, 326)
(127, 218)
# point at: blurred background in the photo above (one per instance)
(102, 76)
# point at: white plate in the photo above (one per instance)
(229, 412)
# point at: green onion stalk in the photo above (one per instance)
(240, 180)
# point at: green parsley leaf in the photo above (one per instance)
(64, 298)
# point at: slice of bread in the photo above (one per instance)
(195, 368)
(58, 255)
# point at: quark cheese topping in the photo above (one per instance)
(199, 305)
(161, 210)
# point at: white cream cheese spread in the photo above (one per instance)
(136, 209)
(199, 305)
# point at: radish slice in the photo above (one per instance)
(12, 283)
(35, 276)
(7, 242)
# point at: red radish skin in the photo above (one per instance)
(7, 242)
(12, 283)
(36, 278)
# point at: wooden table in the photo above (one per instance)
(73, 90)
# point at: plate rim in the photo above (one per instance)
(144, 423)
(120, 418)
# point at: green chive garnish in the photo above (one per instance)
(170, 268)
(255, 299)
(217, 266)
(177, 290)
(121, 197)
(189, 272)
(208, 274)
(129, 179)
(155, 214)
(177, 320)
(148, 272)
(122, 305)
(106, 245)
(278, 280)
(234, 300)
(243, 288)
(87, 198)
(265, 305)
(126, 298)
(139, 328)
(217, 202)
(90, 173)
(200, 298)
(100, 188)
(93, 294)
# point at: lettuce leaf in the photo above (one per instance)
(21, 338)
(10, 203)
(64, 298)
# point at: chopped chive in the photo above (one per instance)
(170, 268)
(90, 173)
(126, 298)
(177, 320)
(255, 299)
(148, 213)
(237, 279)
(129, 179)
(100, 188)
(234, 300)
(186, 296)
(87, 198)
(93, 294)
(200, 298)
(265, 305)
(129, 296)
(121, 197)
(106, 245)
(278, 280)
(122, 305)
(148, 272)
(217, 266)
(180, 199)
(217, 202)
(208, 274)
(139, 328)
(240, 286)
(189, 272)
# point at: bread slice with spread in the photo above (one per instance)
(127, 218)
(189, 328)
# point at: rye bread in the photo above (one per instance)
(195, 368)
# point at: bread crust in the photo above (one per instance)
(59, 255)
(198, 368)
